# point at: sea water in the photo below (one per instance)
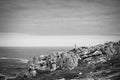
(13, 59)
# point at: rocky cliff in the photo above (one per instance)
(100, 62)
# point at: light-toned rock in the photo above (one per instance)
(33, 73)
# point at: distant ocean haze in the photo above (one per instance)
(25, 40)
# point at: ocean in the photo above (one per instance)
(13, 59)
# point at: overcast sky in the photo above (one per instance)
(40, 19)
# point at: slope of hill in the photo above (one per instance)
(100, 62)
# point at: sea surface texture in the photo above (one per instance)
(14, 59)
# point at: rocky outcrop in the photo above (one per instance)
(2, 77)
(54, 61)
(100, 62)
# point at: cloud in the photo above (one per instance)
(60, 17)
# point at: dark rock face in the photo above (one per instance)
(100, 62)
(2, 77)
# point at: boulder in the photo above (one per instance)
(2, 77)
(33, 73)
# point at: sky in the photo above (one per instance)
(58, 22)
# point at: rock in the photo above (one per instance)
(90, 59)
(80, 73)
(62, 79)
(2, 77)
(69, 60)
(97, 53)
(33, 73)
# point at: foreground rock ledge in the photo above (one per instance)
(100, 62)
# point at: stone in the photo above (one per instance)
(33, 73)
(2, 77)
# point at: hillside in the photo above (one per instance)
(99, 62)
